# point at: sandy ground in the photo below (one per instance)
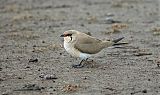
(33, 62)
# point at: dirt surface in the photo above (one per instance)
(34, 62)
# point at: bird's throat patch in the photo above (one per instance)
(67, 39)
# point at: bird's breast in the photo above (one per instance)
(71, 50)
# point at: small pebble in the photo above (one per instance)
(144, 91)
(33, 60)
(111, 21)
(82, 25)
(1, 79)
(41, 76)
(0, 69)
(109, 14)
(27, 67)
(49, 77)
(5, 94)
(34, 45)
(19, 78)
(85, 78)
(54, 89)
(87, 13)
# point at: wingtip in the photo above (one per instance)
(117, 40)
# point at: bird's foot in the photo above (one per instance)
(77, 65)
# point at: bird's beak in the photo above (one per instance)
(62, 35)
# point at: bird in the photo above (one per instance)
(79, 44)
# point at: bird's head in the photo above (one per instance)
(69, 36)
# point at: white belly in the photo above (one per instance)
(71, 50)
(84, 55)
(74, 52)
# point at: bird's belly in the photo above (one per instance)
(71, 50)
(84, 55)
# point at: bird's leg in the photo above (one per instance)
(80, 65)
(89, 61)
(86, 59)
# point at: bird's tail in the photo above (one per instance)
(117, 40)
(113, 43)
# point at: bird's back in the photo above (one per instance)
(89, 44)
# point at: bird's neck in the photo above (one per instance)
(69, 47)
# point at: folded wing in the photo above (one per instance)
(88, 44)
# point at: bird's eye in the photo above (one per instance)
(69, 35)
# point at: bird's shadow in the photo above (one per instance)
(90, 64)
